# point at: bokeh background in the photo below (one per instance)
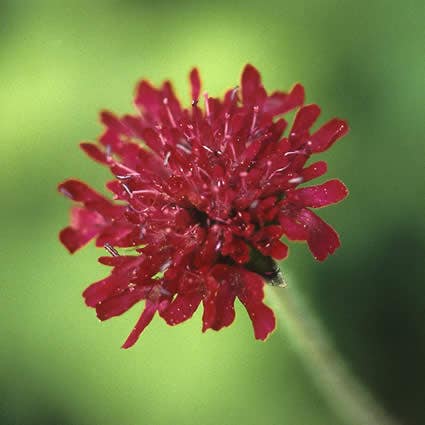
(61, 62)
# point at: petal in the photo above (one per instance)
(225, 310)
(262, 318)
(225, 297)
(103, 289)
(195, 83)
(267, 242)
(85, 225)
(331, 192)
(181, 308)
(278, 250)
(279, 102)
(115, 233)
(144, 320)
(113, 122)
(94, 152)
(252, 89)
(313, 171)
(322, 239)
(148, 98)
(119, 304)
(209, 314)
(207, 254)
(294, 231)
(305, 118)
(251, 295)
(327, 135)
(78, 191)
(120, 261)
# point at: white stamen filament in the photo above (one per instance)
(170, 115)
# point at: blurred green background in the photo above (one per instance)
(61, 62)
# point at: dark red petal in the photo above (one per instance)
(251, 296)
(181, 308)
(322, 239)
(103, 289)
(225, 310)
(120, 261)
(114, 233)
(119, 304)
(235, 248)
(327, 193)
(295, 97)
(144, 320)
(209, 315)
(279, 103)
(85, 225)
(327, 135)
(113, 122)
(78, 191)
(208, 253)
(251, 84)
(278, 250)
(293, 230)
(313, 171)
(148, 98)
(305, 118)
(195, 83)
(262, 318)
(225, 297)
(94, 152)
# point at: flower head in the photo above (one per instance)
(203, 196)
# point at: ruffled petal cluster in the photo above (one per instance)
(199, 194)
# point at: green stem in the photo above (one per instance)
(351, 401)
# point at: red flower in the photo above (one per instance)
(203, 196)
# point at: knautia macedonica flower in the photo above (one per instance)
(203, 196)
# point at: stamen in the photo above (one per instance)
(218, 245)
(130, 171)
(162, 138)
(167, 157)
(232, 148)
(108, 152)
(300, 152)
(226, 135)
(111, 250)
(170, 115)
(66, 192)
(207, 106)
(143, 191)
(242, 175)
(278, 171)
(254, 118)
(226, 124)
(186, 149)
(125, 177)
(127, 189)
(296, 180)
(269, 164)
(142, 232)
(207, 149)
(164, 291)
(234, 92)
(165, 265)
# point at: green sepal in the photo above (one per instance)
(267, 268)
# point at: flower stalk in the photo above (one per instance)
(351, 401)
